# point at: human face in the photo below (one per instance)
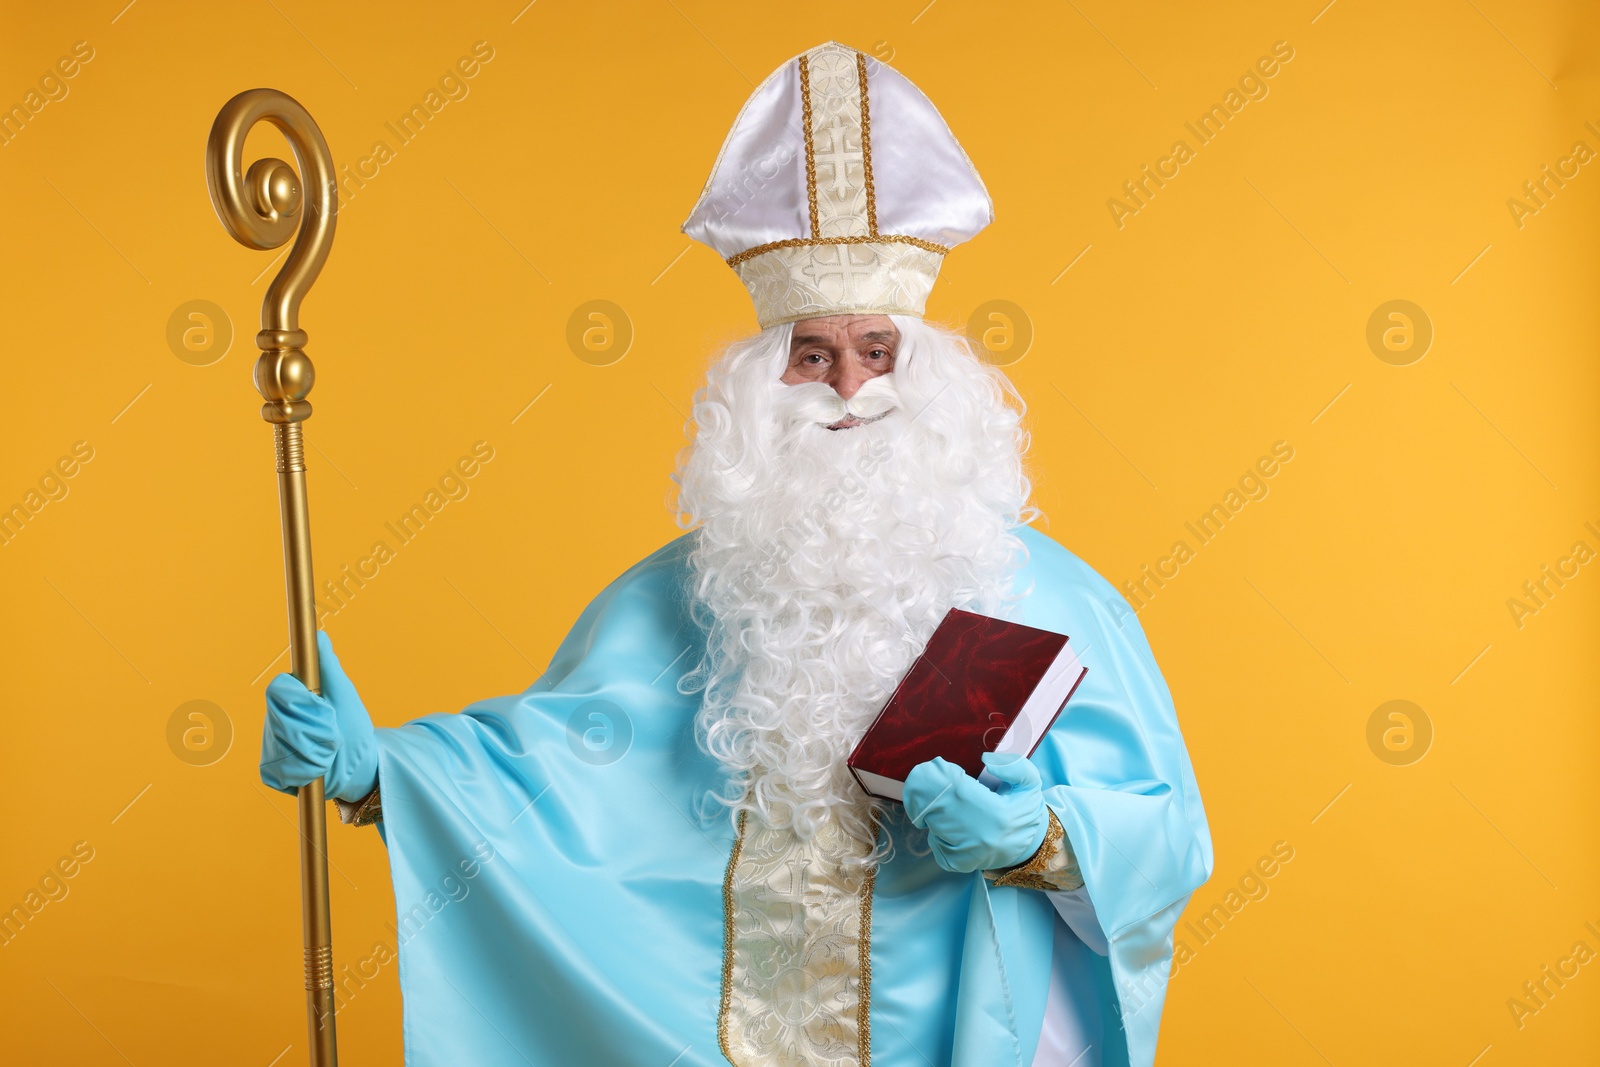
(844, 352)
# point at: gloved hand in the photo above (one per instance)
(308, 736)
(972, 827)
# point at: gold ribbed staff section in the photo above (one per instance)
(262, 208)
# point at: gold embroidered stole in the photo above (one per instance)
(796, 964)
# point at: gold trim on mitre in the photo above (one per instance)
(845, 266)
(796, 206)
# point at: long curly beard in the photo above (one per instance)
(824, 559)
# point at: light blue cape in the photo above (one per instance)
(558, 874)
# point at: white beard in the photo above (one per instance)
(826, 558)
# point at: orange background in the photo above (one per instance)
(1229, 313)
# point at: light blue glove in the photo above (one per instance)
(972, 827)
(308, 736)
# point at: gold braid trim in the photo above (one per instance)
(728, 926)
(858, 239)
(363, 812)
(864, 991)
(1052, 867)
(811, 163)
(866, 147)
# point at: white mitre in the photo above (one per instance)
(838, 191)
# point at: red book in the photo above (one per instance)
(981, 685)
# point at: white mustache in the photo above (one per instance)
(816, 402)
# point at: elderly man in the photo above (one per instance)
(656, 854)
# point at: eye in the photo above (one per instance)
(813, 359)
(879, 353)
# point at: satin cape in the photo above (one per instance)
(558, 873)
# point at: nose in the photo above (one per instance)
(848, 377)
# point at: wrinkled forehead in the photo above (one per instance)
(844, 331)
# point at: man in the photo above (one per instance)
(656, 855)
